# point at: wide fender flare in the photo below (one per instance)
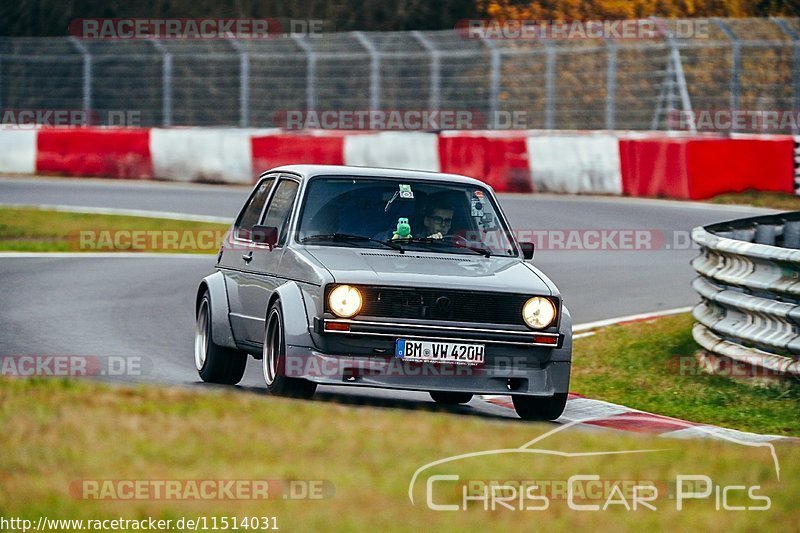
(295, 322)
(221, 332)
(565, 328)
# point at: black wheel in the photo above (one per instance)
(450, 398)
(273, 361)
(214, 363)
(536, 408)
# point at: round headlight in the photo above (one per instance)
(345, 301)
(539, 312)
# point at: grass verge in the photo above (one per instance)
(35, 230)
(774, 200)
(58, 433)
(650, 366)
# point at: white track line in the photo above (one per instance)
(113, 182)
(102, 255)
(641, 201)
(168, 215)
(630, 318)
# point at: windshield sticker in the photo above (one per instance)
(477, 207)
(406, 192)
(478, 194)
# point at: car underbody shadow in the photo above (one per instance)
(396, 399)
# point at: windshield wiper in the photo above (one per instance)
(429, 240)
(344, 237)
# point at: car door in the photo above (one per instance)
(260, 277)
(237, 253)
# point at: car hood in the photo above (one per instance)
(436, 270)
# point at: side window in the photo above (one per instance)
(252, 212)
(280, 208)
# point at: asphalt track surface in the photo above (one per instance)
(143, 306)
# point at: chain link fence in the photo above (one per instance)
(740, 64)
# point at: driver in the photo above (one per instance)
(438, 220)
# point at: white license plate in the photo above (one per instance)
(439, 352)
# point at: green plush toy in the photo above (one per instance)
(403, 229)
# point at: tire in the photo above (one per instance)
(273, 361)
(537, 408)
(214, 363)
(450, 398)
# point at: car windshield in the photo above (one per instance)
(420, 215)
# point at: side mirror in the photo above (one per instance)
(527, 250)
(265, 235)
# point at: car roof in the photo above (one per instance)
(309, 171)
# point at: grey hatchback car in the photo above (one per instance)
(355, 276)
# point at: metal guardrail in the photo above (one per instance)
(749, 286)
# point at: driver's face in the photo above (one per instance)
(439, 221)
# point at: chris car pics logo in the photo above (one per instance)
(587, 491)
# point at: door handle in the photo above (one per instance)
(248, 256)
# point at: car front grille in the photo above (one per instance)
(442, 305)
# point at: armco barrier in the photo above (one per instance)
(633, 164)
(749, 285)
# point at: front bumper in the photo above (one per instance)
(503, 376)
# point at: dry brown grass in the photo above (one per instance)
(57, 432)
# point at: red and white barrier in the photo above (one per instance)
(575, 163)
(18, 151)
(200, 154)
(700, 168)
(497, 158)
(633, 164)
(274, 150)
(116, 153)
(392, 149)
